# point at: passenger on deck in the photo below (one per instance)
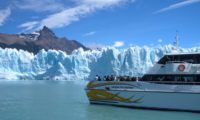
(128, 78)
(97, 77)
(133, 79)
(115, 78)
(107, 78)
(122, 78)
(104, 78)
(112, 78)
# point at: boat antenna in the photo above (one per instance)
(177, 40)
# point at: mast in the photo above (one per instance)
(177, 40)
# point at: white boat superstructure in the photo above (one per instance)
(172, 84)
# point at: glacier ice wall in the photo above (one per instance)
(57, 65)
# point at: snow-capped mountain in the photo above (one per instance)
(81, 64)
(36, 41)
(32, 36)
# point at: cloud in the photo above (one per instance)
(98, 46)
(118, 44)
(65, 17)
(89, 33)
(152, 44)
(4, 14)
(39, 5)
(28, 25)
(81, 9)
(102, 3)
(160, 40)
(177, 5)
(95, 46)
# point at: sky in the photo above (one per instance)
(98, 23)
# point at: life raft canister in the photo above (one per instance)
(181, 67)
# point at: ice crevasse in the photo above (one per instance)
(81, 65)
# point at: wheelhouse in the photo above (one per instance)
(180, 77)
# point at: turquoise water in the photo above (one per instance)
(62, 100)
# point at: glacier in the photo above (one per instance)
(81, 65)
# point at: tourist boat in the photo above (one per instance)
(173, 83)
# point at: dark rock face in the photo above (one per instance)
(43, 39)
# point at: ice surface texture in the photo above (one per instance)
(80, 65)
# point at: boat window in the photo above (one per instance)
(172, 79)
(197, 58)
(189, 58)
(197, 78)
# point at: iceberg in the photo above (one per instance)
(81, 65)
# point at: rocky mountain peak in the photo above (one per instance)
(43, 39)
(46, 34)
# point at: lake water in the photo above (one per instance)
(64, 100)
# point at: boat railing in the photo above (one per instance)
(159, 82)
(117, 78)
